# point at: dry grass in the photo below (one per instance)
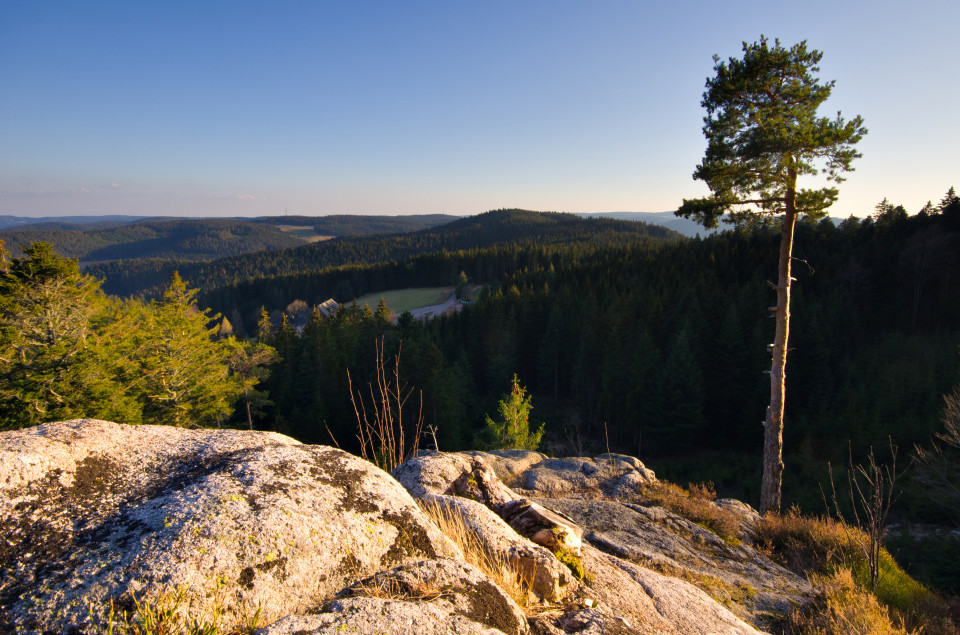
(503, 572)
(391, 588)
(160, 614)
(696, 504)
(806, 543)
(843, 608)
(827, 552)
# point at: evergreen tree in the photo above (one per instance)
(513, 429)
(52, 364)
(185, 370)
(950, 209)
(763, 133)
(249, 363)
(383, 314)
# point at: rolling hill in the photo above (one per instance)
(500, 227)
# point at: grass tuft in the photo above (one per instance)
(160, 614)
(823, 548)
(843, 608)
(696, 504)
(504, 573)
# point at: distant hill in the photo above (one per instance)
(500, 227)
(357, 225)
(66, 222)
(665, 219)
(102, 238)
(678, 224)
(172, 239)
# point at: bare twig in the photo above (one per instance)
(380, 431)
(871, 488)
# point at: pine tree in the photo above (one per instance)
(763, 133)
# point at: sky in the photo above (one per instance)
(238, 108)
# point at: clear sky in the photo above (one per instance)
(364, 107)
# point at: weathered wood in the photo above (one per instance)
(529, 519)
(543, 526)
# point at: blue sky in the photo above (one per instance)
(253, 108)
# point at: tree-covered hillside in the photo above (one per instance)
(660, 349)
(501, 227)
(181, 239)
(98, 239)
(356, 225)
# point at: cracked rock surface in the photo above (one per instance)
(320, 541)
(92, 510)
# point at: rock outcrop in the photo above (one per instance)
(91, 510)
(442, 479)
(319, 541)
(434, 596)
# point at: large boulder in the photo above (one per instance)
(92, 511)
(547, 579)
(433, 596)
(652, 602)
(460, 484)
(735, 573)
(646, 569)
(510, 464)
(582, 477)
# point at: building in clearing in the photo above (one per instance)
(328, 308)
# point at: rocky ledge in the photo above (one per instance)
(256, 529)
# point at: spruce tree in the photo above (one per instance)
(186, 372)
(512, 430)
(54, 328)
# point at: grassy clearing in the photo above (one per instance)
(307, 233)
(401, 300)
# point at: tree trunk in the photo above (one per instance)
(249, 415)
(773, 425)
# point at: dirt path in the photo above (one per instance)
(451, 305)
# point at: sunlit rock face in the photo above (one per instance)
(261, 530)
(93, 510)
